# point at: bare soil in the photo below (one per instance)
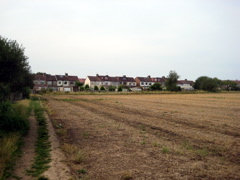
(171, 136)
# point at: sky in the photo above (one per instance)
(128, 37)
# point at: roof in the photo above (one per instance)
(125, 79)
(40, 77)
(81, 80)
(144, 79)
(72, 78)
(66, 78)
(185, 82)
(50, 77)
(94, 78)
(158, 79)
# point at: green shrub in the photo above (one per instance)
(13, 118)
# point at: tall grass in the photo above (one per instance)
(13, 125)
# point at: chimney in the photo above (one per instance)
(97, 75)
(66, 74)
(149, 76)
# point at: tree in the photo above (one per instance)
(111, 88)
(96, 88)
(207, 84)
(229, 85)
(120, 89)
(86, 86)
(155, 87)
(171, 82)
(79, 84)
(199, 81)
(102, 88)
(15, 71)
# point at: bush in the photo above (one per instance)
(111, 88)
(13, 118)
(120, 89)
(102, 88)
(96, 88)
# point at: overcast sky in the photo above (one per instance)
(127, 37)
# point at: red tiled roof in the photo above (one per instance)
(158, 79)
(185, 82)
(72, 78)
(144, 79)
(81, 80)
(50, 77)
(40, 77)
(125, 79)
(94, 78)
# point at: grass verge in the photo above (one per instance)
(42, 146)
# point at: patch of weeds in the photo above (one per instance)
(42, 145)
(143, 142)
(155, 144)
(85, 134)
(127, 176)
(82, 171)
(142, 127)
(202, 152)
(61, 132)
(187, 145)
(165, 150)
(79, 156)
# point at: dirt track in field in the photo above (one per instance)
(151, 136)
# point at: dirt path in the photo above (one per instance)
(25, 161)
(58, 169)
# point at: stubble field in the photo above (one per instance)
(174, 136)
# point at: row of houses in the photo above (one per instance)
(68, 83)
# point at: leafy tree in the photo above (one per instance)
(171, 82)
(79, 84)
(199, 81)
(111, 88)
(96, 88)
(229, 85)
(86, 86)
(102, 88)
(155, 87)
(207, 84)
(15, 73)
(120, 89)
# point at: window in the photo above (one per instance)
(65, 82)
(49, 82)
(71, 82)
(146, 83)
(142, 83)
(150, 84)
(59, 82)
(42, 82)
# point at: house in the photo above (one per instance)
(66, 82)
(100, 80)
(185, 84)
(93, 81)
(128, 81)
(55, 82)
(144, 82)
(39, 82)
(161, 80)
(106, 81)
(51, 82)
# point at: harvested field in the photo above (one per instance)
(174, 136)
